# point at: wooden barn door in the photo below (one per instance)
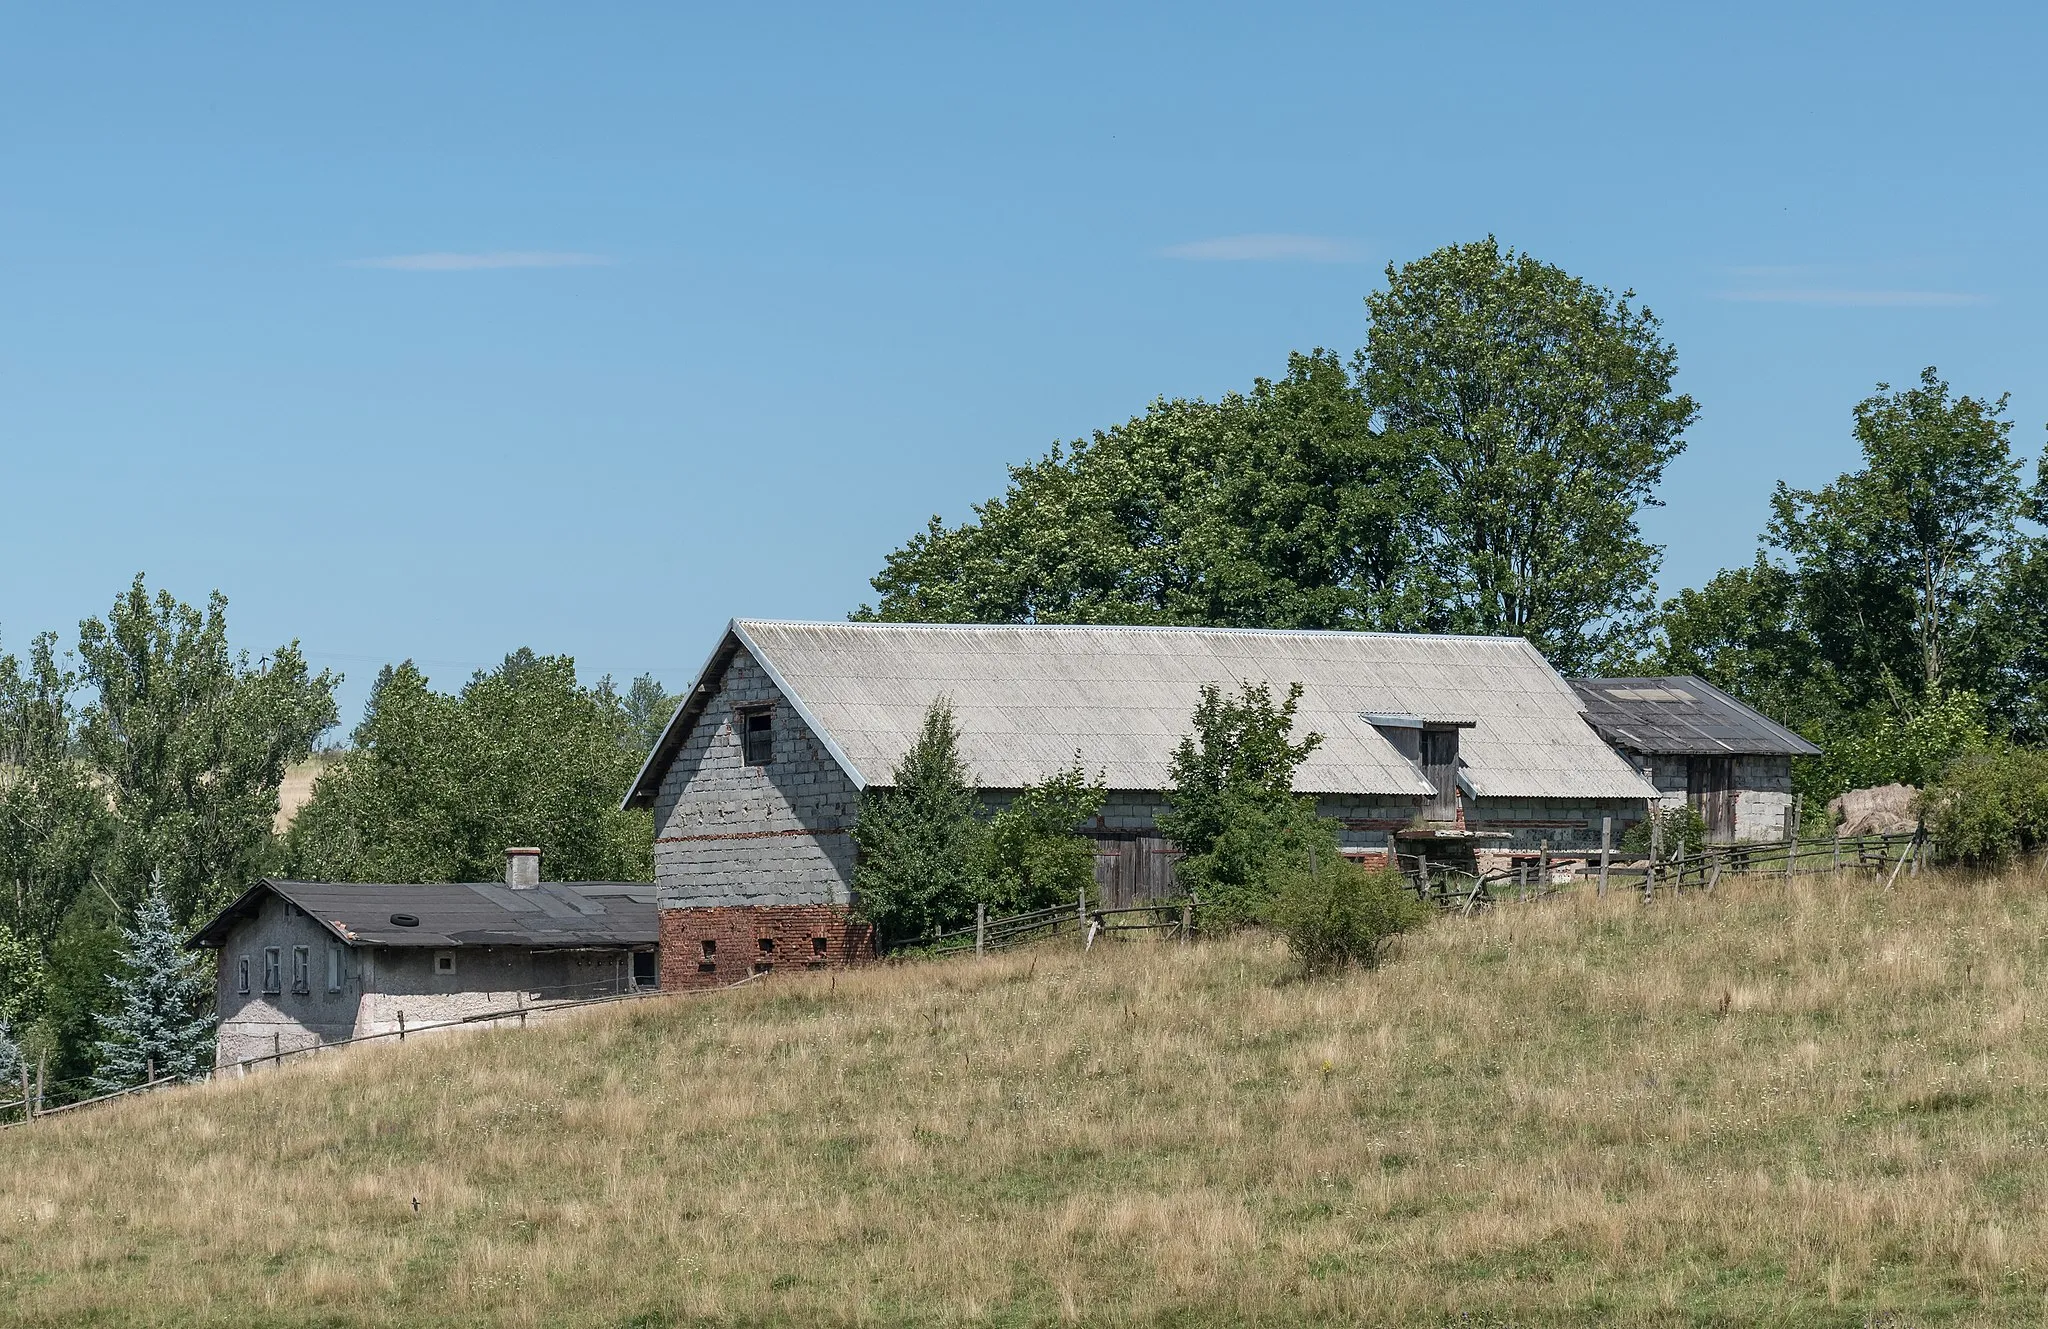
(1710, 787)
(1133, 871)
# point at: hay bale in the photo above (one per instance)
(1890, 809)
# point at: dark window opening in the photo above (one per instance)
(707, 967)
(767, 945)
(302, 966)
(245, 974)
(757, 737)
(710, 947)
(817, 945)
(763, 967)
(643, 969)
(273, 970)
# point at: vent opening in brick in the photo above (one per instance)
(763, 967)
(817, 945)
(710, 947)
(758, 737)
(767, 945)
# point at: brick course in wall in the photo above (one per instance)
(799, 937)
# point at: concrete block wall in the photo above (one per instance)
(1569, 826)
(710, 946)
(727, 833)
(258, 1023)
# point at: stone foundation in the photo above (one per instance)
(714, 946)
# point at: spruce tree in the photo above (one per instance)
(920, 840)
(157, 1025)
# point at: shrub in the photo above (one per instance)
(1989, 806)
(1036, 854)
(919, 840)
(1680, 826)
(1336, 913)
(1234, 813)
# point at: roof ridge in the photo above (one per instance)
(871, 625)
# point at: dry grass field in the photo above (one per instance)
(1814, 1105)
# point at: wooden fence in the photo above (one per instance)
(29, 1104)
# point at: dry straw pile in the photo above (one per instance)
(1815, 1104)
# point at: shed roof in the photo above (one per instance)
(1683, 716)
(553, 914)
(1029, 698)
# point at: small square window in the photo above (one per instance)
(302, 969)
(245, 975)
(444, 962)
(757, 729)
(273, 969)
(710, 947)
(818, 945)
(767, 945)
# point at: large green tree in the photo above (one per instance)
(1542, 409)
(1280, 507)
(921, 846)
(435, 787)
(191, 740)
(1893, 559)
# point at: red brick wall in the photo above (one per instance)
(800, 936)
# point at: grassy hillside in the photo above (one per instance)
(1815, 1105)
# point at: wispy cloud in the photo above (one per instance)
(1267, 249)
(503, 258)
(1863, 298)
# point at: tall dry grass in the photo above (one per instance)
(1815, 1104)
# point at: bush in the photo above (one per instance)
(1681, 826)
(1336, 913)
(1989, 806)
(1036, 855)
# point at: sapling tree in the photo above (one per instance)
(1037, 856)
(920, 840)
(159, 1028)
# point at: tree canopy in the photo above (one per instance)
(1479, 467)
(435, 787)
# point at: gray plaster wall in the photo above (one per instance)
(257, 1023)
(486, 978)
(1565, 825)
(1763, 791)
(727, 833)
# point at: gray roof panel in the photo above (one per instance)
(1029, 698)
(1682, 716)
(451, 914)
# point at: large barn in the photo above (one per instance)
(1429, 742)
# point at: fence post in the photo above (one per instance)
(28, 1106)
(1081, 915)
(1542, 867)
(1606, 847)
(401, 1026)
(1656, 851)
(1187, 923)
(1835, 861)
(1678, 864)
(981, 928)
(1792, 836)
(42, 1074)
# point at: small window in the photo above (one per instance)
(644, 975)
(273, 970)
(763, 967)
(334, 968)
(444, 962)
(710, 947)
(758, 741)
(767, 945)
(817, 945)
(302, 968)
(245, 975)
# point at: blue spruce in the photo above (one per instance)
(158, 1025)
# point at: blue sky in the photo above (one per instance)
(433, 331)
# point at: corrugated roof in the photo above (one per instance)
(1683, 716)
(1028, 698)
(568, 914)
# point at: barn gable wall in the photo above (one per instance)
(727, 833)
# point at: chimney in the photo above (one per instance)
(522, 869)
